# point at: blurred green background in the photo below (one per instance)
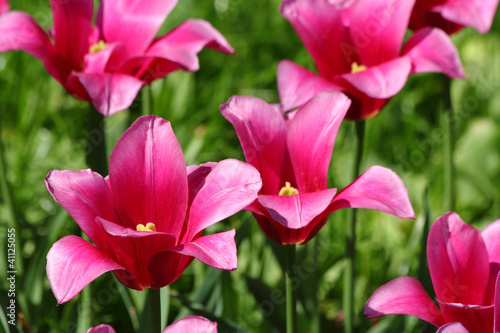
(43, 128)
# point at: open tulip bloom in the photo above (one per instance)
(464, 265)
(109, 63)
(191, 324)
(453, 15)
(356, 46)
(292, 152)
(147, 217)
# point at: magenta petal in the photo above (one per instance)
(474, 318)
(296, 85)
(110, 93)
(191, 324)
(452, 328)
(404, 295)
(101, 329)
(217, 250)
(378, 188)
(148, 177)
(311, 136)
(431, 50)
(496, 318)
(297, 211)
(72, 264)
(134, 23)
(477, 14)
(491, 236)
(227, 189)
(104, 60)
(458, 261)
(18, 31)
(381, 81)
(262, 133)
(4, 6)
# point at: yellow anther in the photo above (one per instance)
(288, 190)
(355, 68)
(99, 46)
(149, 227)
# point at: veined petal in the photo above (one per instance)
(452, 328)
(72, 263)
(101, 329)
(148, 177)
(297, 85)
(404, 295)
(458, 261)
(477, 14)
(4, 6)
(311, 136)
(491, 236)
(191, 324)
(229, 187)
(378, 188)
(431, 50)
(134, 23)
(262, 133)
(217, 250)
(19, 31)
(474, 318)
(72, 24)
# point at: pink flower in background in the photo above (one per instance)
(109, 63)
(292, 152)
(191, 324)
(357, 48)
(453, 15)
(464, 265)
(4, 6)
(147, 218)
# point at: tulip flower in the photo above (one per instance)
(4, 6)
(357, 49)
(453, 15)
(192, 324)
(464, 265)
(292, 152)
(108, 64)
(147, 217)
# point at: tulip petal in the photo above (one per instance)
(227, 189)
(72, 263)
(134, 23)
(4, 6)
(18, 31)
(378, 188)
(110, 93)
(85, 195)
(101, 329)
(297, 211)
(72, 24)
(474, 318)
(191, 324)
(477, 14)
(496, 317)
(458, 261)
(491, 235)
(217, 250)
(452, 328)
(404, 295)
(148, 176)
(262, 133)
(431, 50)
(297, 85)
(311, 137)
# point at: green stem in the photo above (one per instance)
(147, 100)
(96, 157)
(155, 309)
(291, 301)
(349, 275)
(449, 143)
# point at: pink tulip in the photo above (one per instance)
(453, 15)
(464, 265)
(4, 6)
(292, 151)
(191, 324)
(109, 63)
(356, 46)
(147, 217)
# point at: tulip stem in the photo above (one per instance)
(350, 246)
(449, 143)
(155, 309)
(96, 156)
(291, 301)
(147, 101)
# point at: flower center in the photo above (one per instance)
(99, 46)
(149, 227)
(288, 190)
(355, 68)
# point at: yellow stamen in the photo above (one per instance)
(355, 68)
(99, 46)
(288, 190)
(149, 227)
